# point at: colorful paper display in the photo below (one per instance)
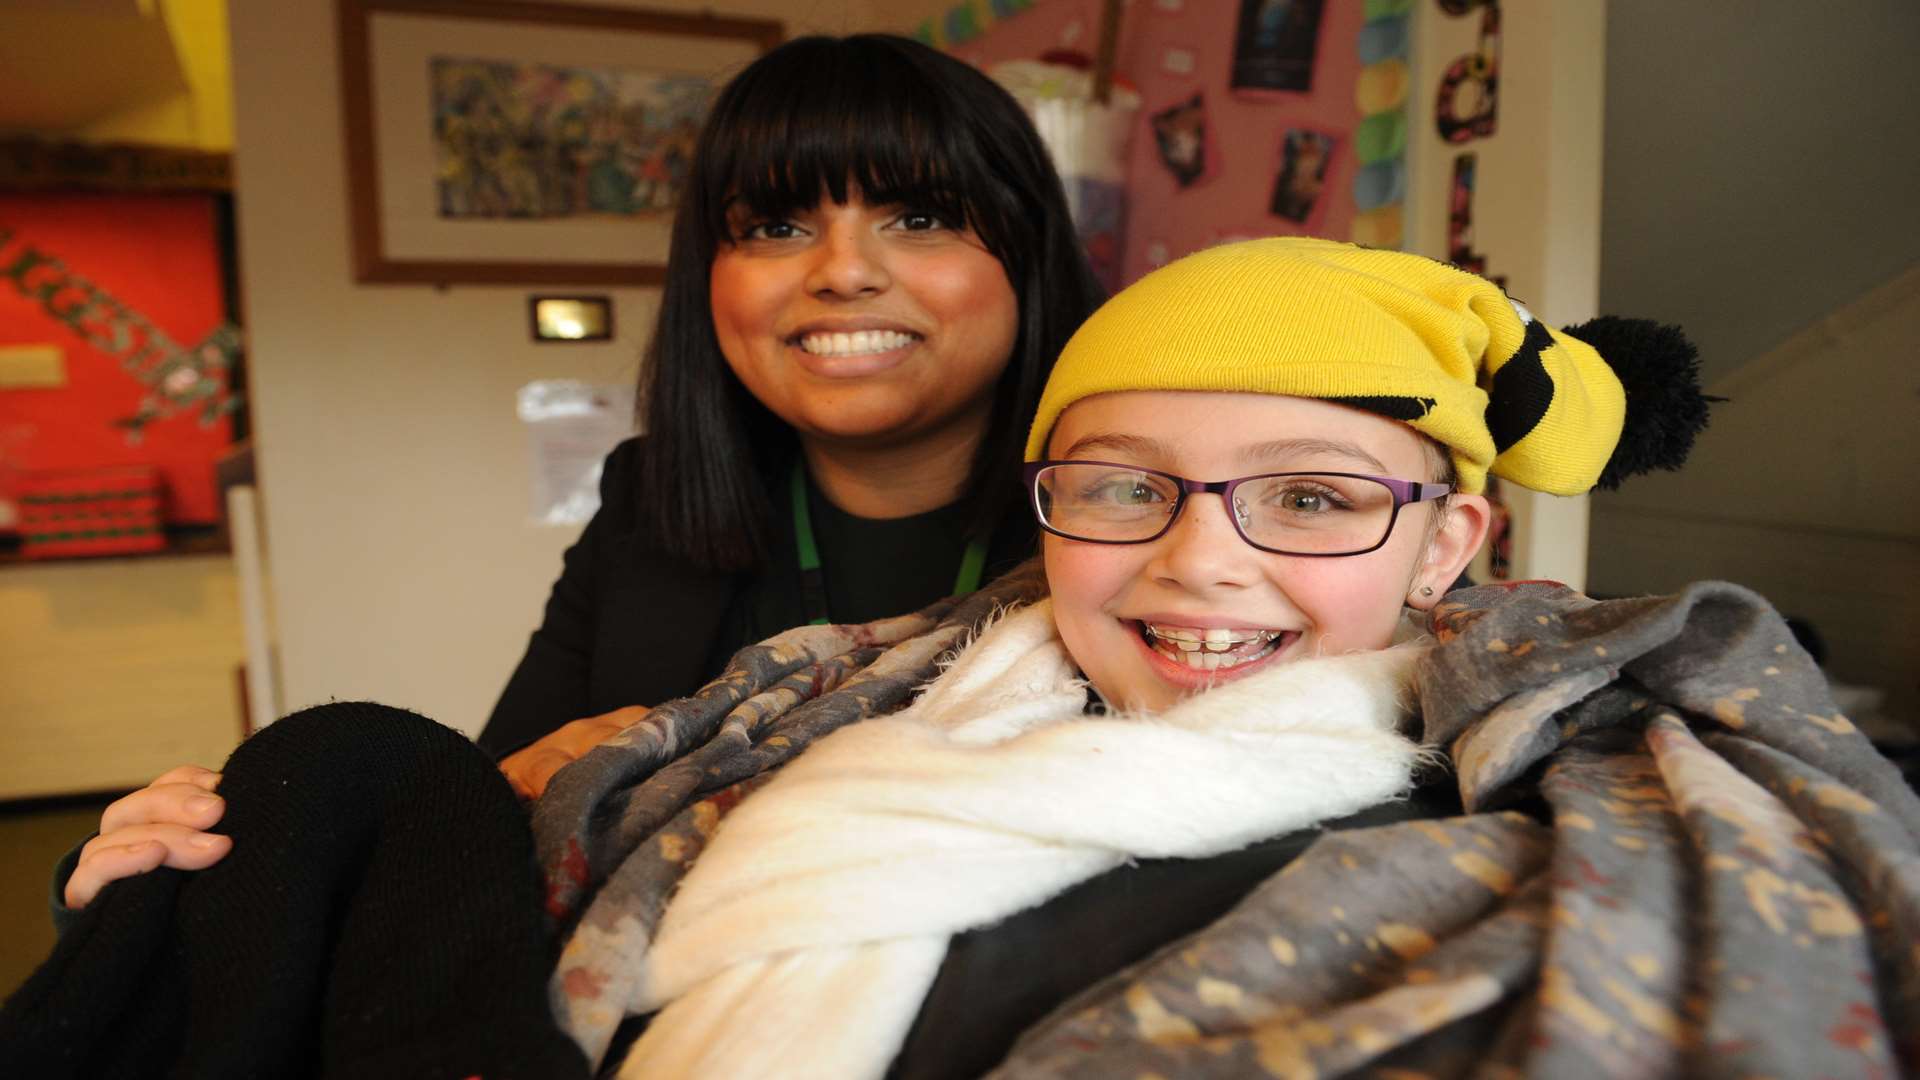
(965, 22)
(1380, 141)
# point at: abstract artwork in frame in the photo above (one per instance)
(502, 142)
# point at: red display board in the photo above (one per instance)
(129, 289)
(72, 512)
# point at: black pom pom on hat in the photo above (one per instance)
(1660, 370)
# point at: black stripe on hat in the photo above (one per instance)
(1522, 390)
(1392, 407)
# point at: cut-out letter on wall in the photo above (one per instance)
(1460, 219)
(1470, 87)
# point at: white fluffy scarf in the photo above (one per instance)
(804, 939)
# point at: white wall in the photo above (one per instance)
(1760, 163)
(394, 473)
(1802, 490)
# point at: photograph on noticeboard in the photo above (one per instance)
(1302, 178)
(1180, 137)
(1274, 45)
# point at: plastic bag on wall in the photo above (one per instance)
(1088, 144)
(572, 426)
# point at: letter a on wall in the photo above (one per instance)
(1469, 96)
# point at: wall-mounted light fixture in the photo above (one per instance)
(571, 318)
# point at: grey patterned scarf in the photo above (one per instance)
(1678, 860)
(1727, 882)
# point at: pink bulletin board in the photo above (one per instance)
(1172, 49)
(127, 291)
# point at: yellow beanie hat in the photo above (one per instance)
(1395, 334)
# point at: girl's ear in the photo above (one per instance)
(1452, 547)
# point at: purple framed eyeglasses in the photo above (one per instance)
(1318, 514)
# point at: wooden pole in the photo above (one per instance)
(1109, 48)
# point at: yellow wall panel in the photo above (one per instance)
(113, 671)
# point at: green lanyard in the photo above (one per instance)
(813, 584)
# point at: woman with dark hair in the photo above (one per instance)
(872, 270)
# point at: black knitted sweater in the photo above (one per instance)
(378, 916)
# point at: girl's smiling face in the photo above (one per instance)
(1110, 599)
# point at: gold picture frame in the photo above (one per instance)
(509, 142)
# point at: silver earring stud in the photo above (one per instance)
(1426, 590)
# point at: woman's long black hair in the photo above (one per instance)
(906, 124)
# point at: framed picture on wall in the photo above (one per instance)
(508, 142)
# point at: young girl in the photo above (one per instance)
(1250, 464)
(1344, 388)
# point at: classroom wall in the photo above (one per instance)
(1762, 202)
(1167, 53)
(403, 563)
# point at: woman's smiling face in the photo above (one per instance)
(863, 323)
(1123, 609)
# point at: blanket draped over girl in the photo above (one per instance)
(1714, 873)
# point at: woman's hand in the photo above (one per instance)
(159, 825)
(530, 768)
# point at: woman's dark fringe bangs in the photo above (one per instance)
(863, 119)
